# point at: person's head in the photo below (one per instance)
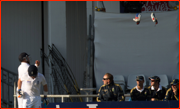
(107, 79)
(32, 71)
(175, 84)
(140, 80)
(155, 80)
(24, 57)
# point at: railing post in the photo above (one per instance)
(14, 94)
(8, 90)
(62, 99)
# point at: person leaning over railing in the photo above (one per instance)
(110, 91)
(158, 92)
(173, 92)
(139, 92)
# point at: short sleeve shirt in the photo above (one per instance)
(22, 69)
(32, 86)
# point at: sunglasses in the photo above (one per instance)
(105, 78)
(152, 80)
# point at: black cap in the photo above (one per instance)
(22, 56)
(139, 78)
(175, 81)
(156, 78)
(32, 70)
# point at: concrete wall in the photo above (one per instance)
(21, 32)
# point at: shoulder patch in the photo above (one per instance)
(149, 87)
(169, 90)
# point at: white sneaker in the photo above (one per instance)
(137, 17)
(154, 19)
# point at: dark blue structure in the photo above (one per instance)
(125, 104)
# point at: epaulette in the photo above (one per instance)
(101, 87)
(169, 90)
(132, 89)
(116, 84)
(149, 87)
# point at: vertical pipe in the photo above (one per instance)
(88, 58)
(90, 67)
(42, 38)
(14, 94)
(92, 38)
(2, 85)
(52, 88)
(8, 90)
(62, 99)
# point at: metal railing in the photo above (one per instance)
(62, 75)
(8, 78)
(61, 96)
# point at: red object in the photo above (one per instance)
(156, 6)
(137, 23)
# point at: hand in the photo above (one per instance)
(175, 91)
(45, 100)
(37, 63)
(19, 92)
(152, 99)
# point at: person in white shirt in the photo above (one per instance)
(22, 69)
(32, 85)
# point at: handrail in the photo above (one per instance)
(58, 96)
(9, 71)
(68, 96)
(10, 77)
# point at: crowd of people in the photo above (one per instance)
(111, 91)
(29, 85)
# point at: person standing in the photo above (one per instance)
(22, 69)
(32, 85)
(110, 91)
